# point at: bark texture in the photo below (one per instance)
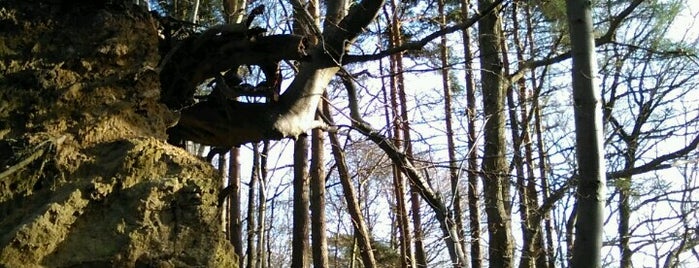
(299, 244)
(495, 167)
(317, 181)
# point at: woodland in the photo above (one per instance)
(335, 133)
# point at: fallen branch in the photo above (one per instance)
(39, 150)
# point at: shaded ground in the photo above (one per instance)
(86, 177)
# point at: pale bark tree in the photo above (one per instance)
(262, 233)
(235, 229)
(317, 181)
(305, 24)
(233, 14)
(589, 137)
(292, 115)
(234, 10)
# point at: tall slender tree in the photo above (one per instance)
(420, 257)
(495, 168)
(235, 227)
(532, 248)
(262, 233)
(360, 229)
(472, 163)
(299, 254)
(250, 254)
(233, 10)
(317, 183)
(589, 139)
(396, 89)
(454, 172)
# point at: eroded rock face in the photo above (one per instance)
(86, 177)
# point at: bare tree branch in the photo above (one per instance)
(231, 123)
(607, 38)
(657, 163)
(417, 45)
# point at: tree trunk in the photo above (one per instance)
(527, 256)
(532, 248)
(589, 138)
(231, 9)
(234, 10)
(446, 222)
(420, 257)
(318, 226)
(570, 233)
(299, 243)
(235, 228)
(624, 234)
(495, 168)
(250, 253)
(543, 171)
(472, 187)
(358, 223)
(418, 236)
(262, 208)
(451, 148)
(548, 247)
(395, 87)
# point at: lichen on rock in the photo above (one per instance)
(86, 177)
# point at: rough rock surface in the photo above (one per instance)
(86, 177)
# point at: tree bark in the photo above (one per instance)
(495, 168)
(299, 243)
(472, 187)
(532, 248)
(543, 171)
(318, 226)
(262, 253)
(251, 256)
(451, 148)
(545, 215)
(235, 228)
(589, 138)
(234, 10)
